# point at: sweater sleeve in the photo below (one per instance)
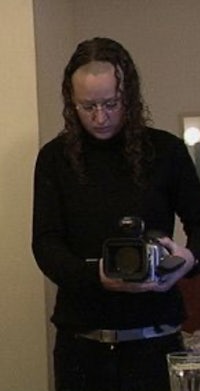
(49, 241)
(187, 199)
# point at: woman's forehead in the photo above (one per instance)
(96, 67)
(95, 77)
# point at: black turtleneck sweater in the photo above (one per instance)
(72, 221)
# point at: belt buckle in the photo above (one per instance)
(109, 336)
(149, 332)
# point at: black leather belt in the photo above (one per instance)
(116, 336)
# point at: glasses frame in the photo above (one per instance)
(108, 106)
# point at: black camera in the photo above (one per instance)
(137, 255)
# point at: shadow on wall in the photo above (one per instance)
(197, 157)
(190, 288)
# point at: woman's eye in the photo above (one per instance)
(110, 105)
(88, 107)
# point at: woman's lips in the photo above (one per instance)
(103, 130)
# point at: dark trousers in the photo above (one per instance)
(84, 365)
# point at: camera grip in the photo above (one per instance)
(170, 264)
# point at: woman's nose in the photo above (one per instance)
(100, 115)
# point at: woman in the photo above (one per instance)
(107, 164)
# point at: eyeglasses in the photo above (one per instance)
(108, 106)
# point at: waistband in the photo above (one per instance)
(116, 336)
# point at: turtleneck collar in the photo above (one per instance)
(117, 139)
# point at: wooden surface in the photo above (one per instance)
(191, 292)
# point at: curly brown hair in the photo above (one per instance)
(137, 149)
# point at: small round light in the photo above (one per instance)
(192, 135)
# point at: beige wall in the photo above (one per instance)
(23, 356)
(163, 37)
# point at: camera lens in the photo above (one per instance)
(127, 260)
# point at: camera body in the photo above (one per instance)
(133, 256)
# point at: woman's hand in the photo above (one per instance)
(163, 285)
(174, 249)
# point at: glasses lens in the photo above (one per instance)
(110, 105)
